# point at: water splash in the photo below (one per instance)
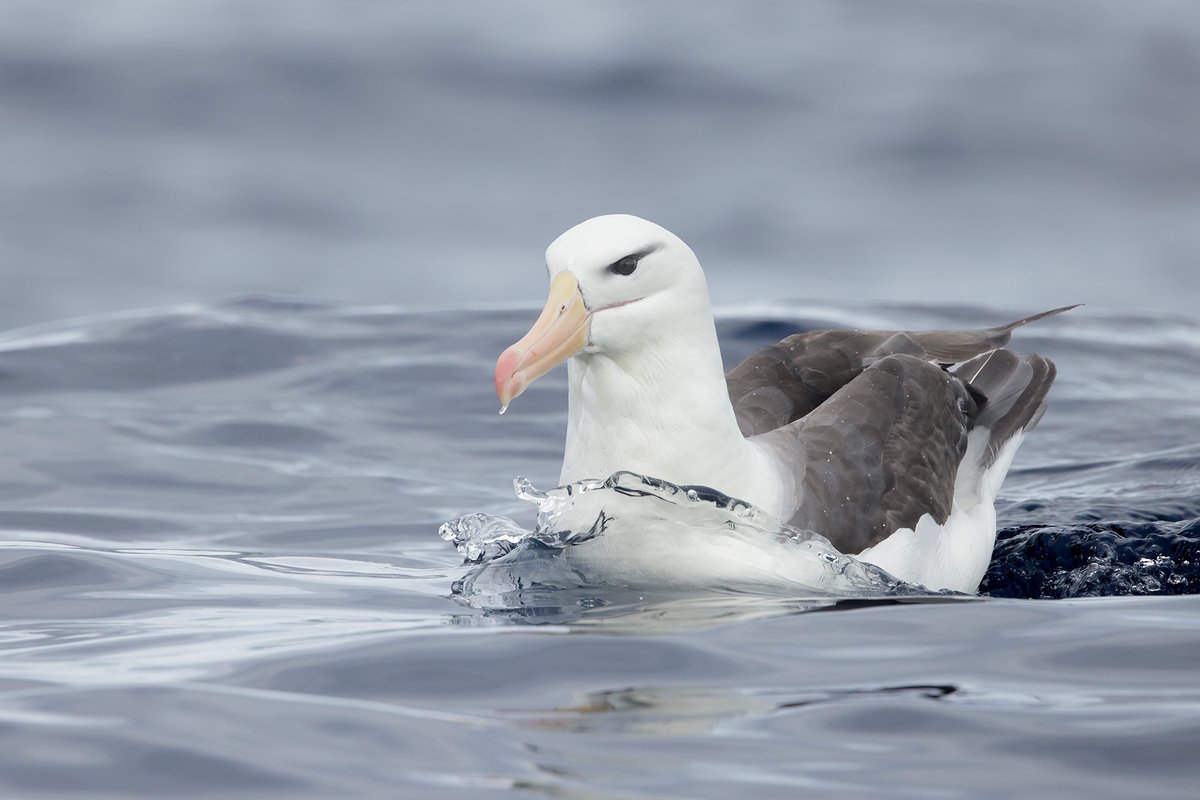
(639, 533)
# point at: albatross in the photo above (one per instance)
(890, 444)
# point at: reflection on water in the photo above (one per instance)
(671, 711)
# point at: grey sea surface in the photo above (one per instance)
(220, 569)
(221, 576)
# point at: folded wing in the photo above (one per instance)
(874, 425)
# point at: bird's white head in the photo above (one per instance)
(617, 282)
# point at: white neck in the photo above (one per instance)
(662, 410)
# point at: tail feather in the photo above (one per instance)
(1010, 391)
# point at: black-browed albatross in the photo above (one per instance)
(891, 444)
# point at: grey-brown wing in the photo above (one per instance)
(781, 383)
(879, 453)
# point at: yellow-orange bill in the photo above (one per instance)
(559, 333)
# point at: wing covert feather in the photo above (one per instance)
(880, 453)
(780, 383)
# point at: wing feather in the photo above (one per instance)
(873, 424)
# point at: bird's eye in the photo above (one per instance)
(624, 266)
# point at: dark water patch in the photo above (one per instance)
(1161, 558)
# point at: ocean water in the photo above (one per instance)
(221, 576)
(221, 573)
(426, 153)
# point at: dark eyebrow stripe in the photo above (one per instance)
(640, 254)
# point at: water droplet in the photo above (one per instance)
(503, 409)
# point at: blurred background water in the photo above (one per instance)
(1006, 151)
(220, 574)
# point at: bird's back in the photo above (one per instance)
(879, 426)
